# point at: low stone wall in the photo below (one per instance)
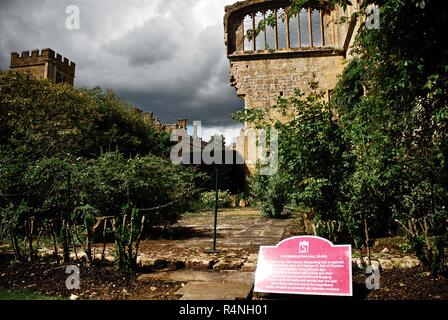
(388, 261)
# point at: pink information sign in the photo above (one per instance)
(305, 265)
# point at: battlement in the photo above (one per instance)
(40, 57)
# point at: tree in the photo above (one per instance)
(391, 139)
(69, 155)
(397, 126)
(59, 120)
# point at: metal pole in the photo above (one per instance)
(69, 211)
(216, 209)
(69, 196)
(65, 220)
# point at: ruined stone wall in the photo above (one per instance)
(260, 74)
(149, 118)
(261, 82)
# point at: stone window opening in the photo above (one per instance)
(281, 29)
(260, 37)
(270, 32)
(302, 30)
(59, 78)
(248, 27)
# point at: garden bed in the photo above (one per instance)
(97, 283)
(103, 283)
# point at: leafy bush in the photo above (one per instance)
(311, 151)
(384, 161)
(59, 120)
(68, 155)
(207, 200)
(271, 193)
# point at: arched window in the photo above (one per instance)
(304, 28)
(294, 31)
(270, 32)
(248, 33)
(260, 38)
(316, 23)
(281, 28)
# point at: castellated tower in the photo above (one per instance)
(45, 64)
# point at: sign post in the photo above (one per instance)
(305, 265)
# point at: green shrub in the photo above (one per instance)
(271, 193)
(207, 200)
(68, 155)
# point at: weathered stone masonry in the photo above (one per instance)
(45, 64)
(311, 46)
(262, 75)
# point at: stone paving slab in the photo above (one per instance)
(216, 291)
(200, 276)
(184, 276)
(227, 275)
(237, 276)
(240, 234)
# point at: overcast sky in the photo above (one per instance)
(165, 56)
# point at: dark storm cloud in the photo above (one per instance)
(165, 56)
(156, 41)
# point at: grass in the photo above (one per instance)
(23, 294)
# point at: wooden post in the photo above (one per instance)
(288, 44)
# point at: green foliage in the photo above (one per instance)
(397, 127)
(383, 164)
(207, 200)
(25, 294)
(128, 227)
(70, 155)
(271, 193)
(82, 221)
(311, 151)
(40, 118)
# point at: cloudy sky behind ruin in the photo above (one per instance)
(165, 56)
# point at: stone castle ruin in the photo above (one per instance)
(311, 46)
(45, 64)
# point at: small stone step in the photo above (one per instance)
(184, 276)
(216, 291)
(199, 264)
(228, 265)
(249, 267)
